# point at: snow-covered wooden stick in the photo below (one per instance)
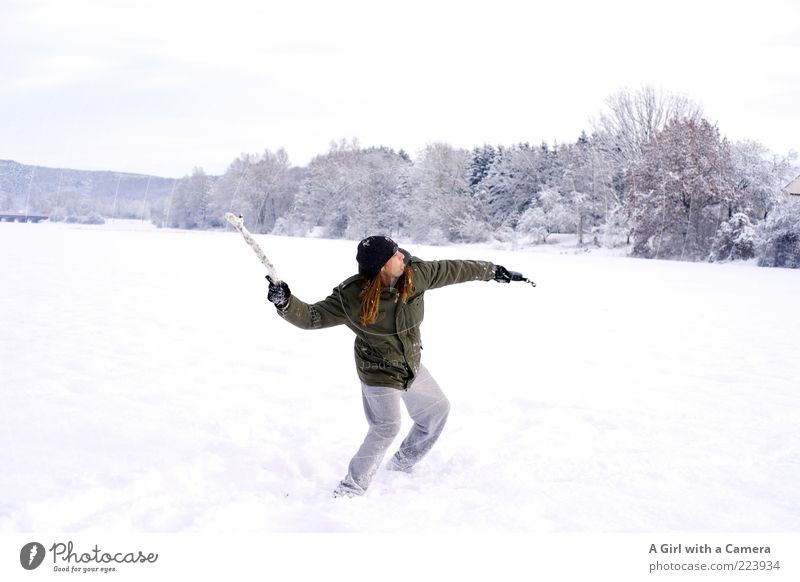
(238, 223)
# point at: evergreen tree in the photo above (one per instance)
(482, 159)
(735, 239)
(513, 182)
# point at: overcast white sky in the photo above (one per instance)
(163, 86)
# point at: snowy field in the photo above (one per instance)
(148, 386)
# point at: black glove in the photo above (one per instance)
(503, 275)
(278, 293)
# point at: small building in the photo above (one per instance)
(793, 187)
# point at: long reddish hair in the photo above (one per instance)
(371, 295)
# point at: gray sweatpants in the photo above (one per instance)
(428, 407)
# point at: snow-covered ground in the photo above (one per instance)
(147, 386)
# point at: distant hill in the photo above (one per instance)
(46, 190)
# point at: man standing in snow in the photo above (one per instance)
(384, 306)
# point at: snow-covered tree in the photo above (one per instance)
(586, 184)
(482, 159)
(551, 214)
(6, 201)
(779, 237)
(353, 192)
(514, 180)
(191, 200)
(322, 203)
(225, 192)
(629, 120)
(632, 119)
(266, 192)
(735, 239)
(70, 206)
(441, 199)
(261, 187)
(758, 176)
(378, 201)
(682, 186)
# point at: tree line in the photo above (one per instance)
(653, 174)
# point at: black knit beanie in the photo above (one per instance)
(373, 252)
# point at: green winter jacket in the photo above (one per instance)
(387, 353)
